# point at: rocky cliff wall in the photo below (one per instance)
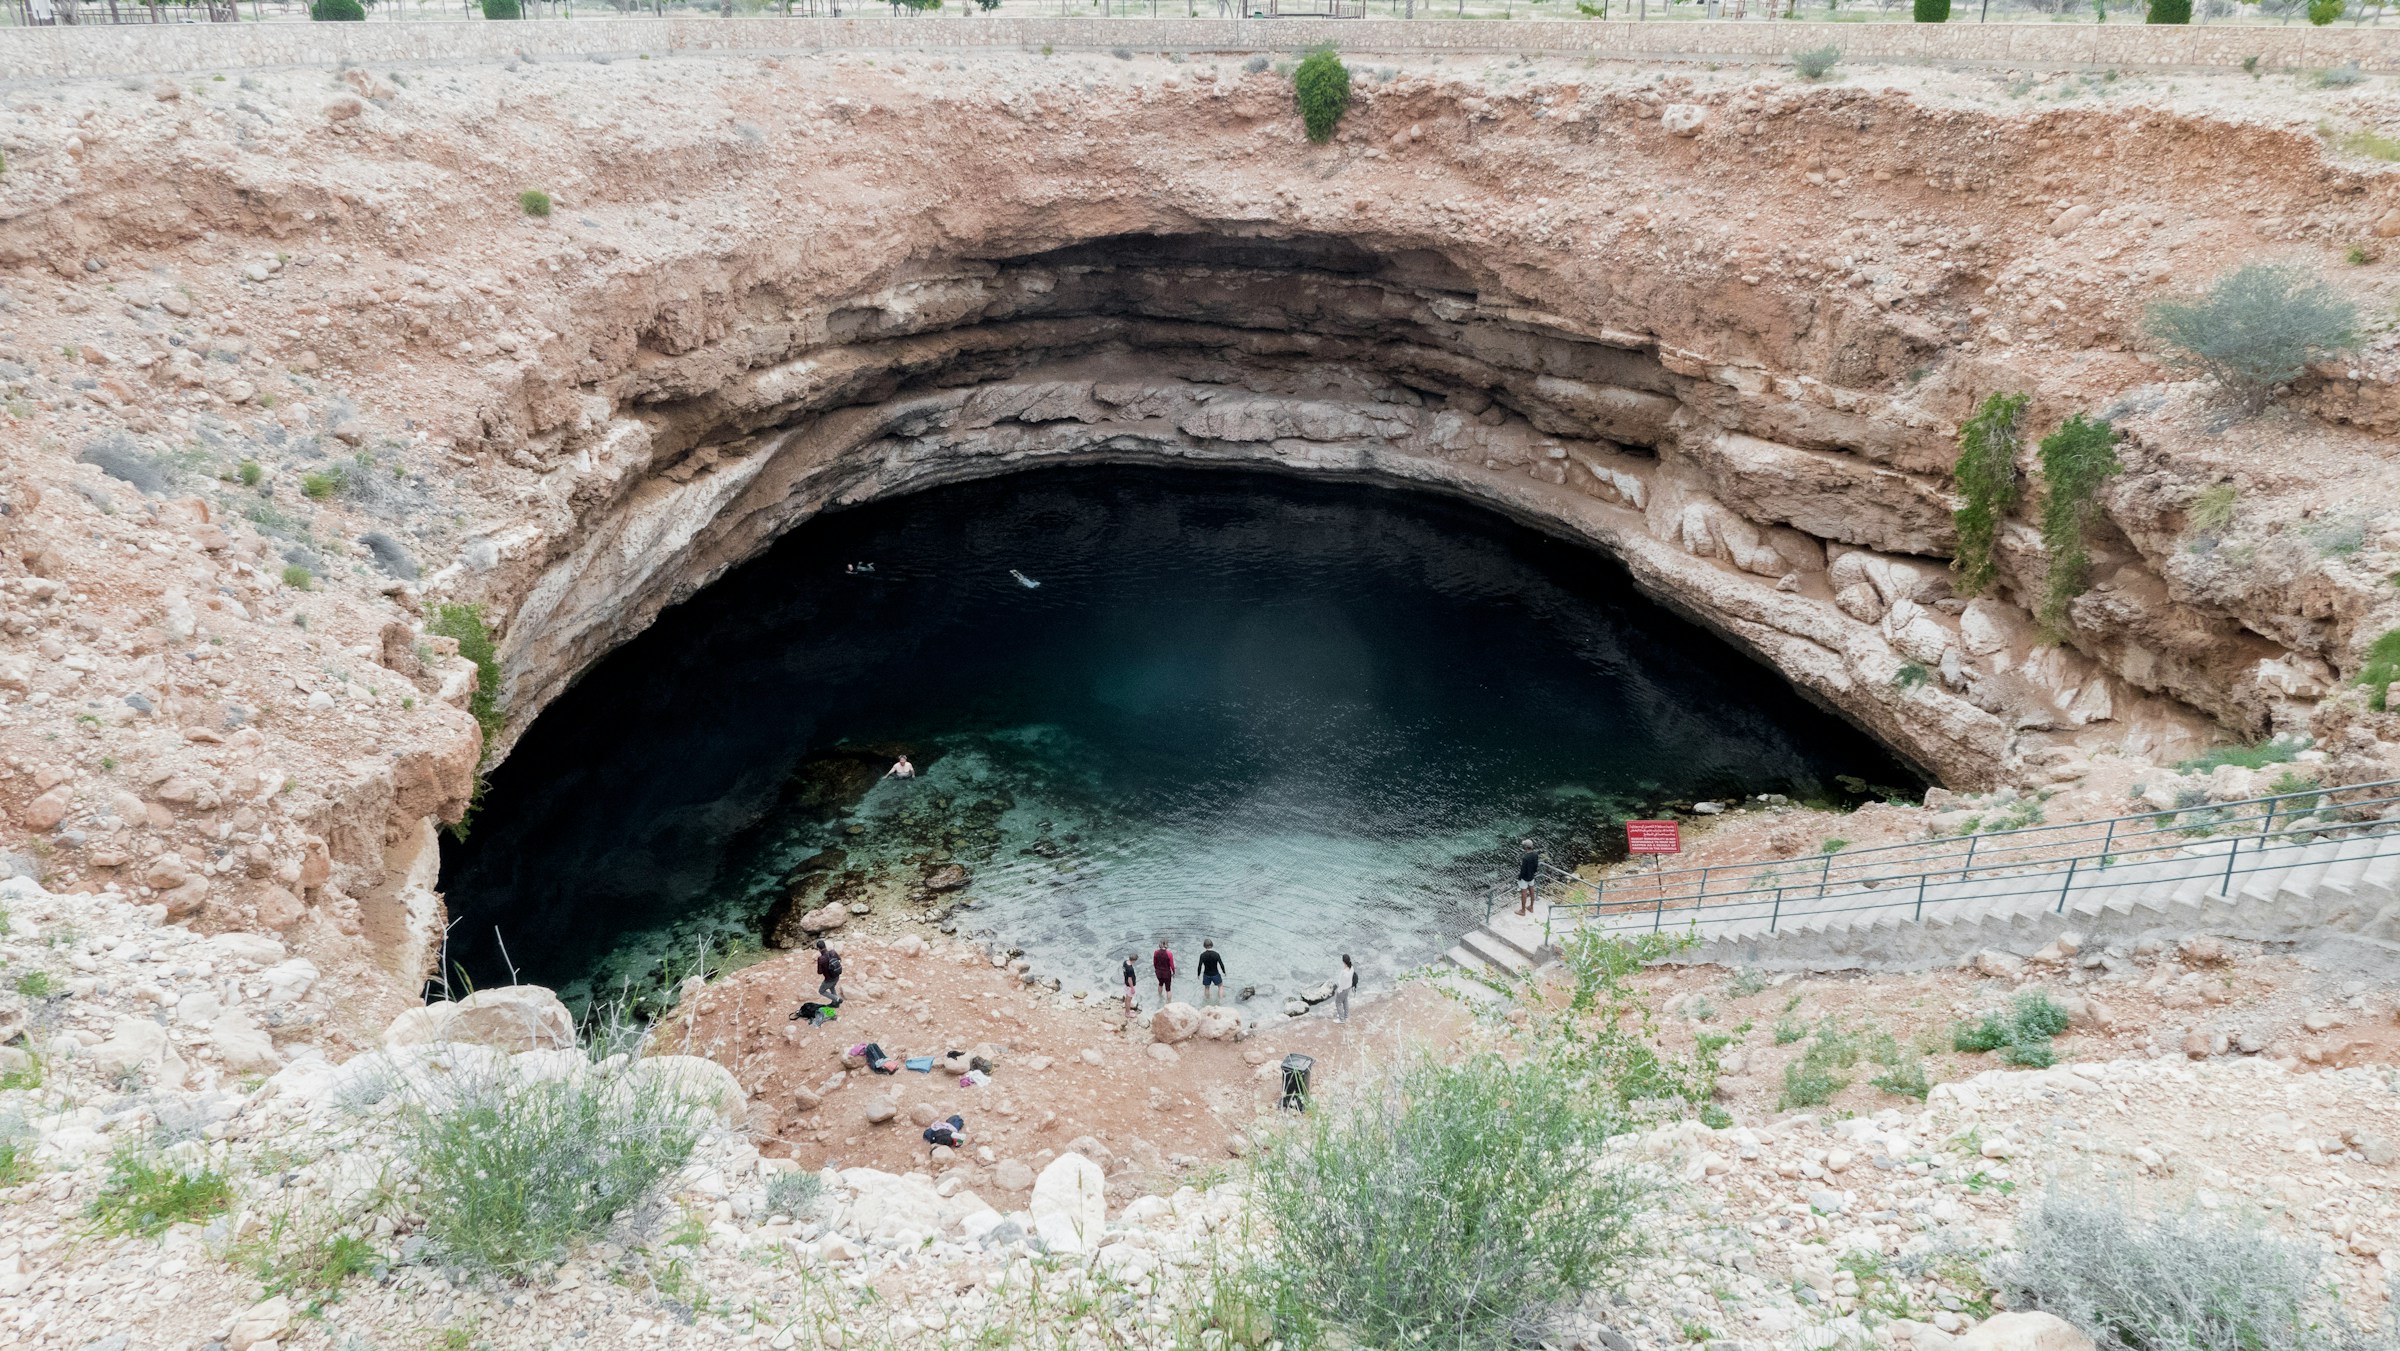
(1722, 325)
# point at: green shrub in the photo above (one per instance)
(2169, 11)
(145, 1197)
(2076, 460)
(2257, 329)
(297, 577)
(1322, 86)
(316, 1271)
(2032, 1055)
(1976, 1038)
(1906, 1079)
(534, 202)
(2382, 671)
(2037, 1017)
(1816, 63)
(34, 984)
(1985, 477)
(464, 622)
(1932, 11)
(2275, 751)
(502, 9)
(514, 1172)
(2337, 77)
(2323, 12)
(1451, 1206)
(1910, 675)
(16, 1160)
(794, 1194)
(1789, 1030)
(1806, 1085)
(317, 485)
(337, 11)
(251, 473)
(2185, 1279)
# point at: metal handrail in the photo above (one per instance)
(2044, 851)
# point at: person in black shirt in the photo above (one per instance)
(1130, 972)
(829, 973)
(1527, 868)
(1212, 972)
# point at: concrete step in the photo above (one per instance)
(1495, 952)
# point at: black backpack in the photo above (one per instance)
(833, 962)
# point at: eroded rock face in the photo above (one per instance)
(1721, 328)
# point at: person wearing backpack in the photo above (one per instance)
(829, 973)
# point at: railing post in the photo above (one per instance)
(2067, 886)
(1777, 912)
(2107, 840)
(2233, 850)
(1824, 877)
(1658, 917)
(1969, 865)
(1920, 897)
(1703, 896)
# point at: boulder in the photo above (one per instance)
(513, 1018)
(1011, 1175)
(140, 1046)
(923, 1114)
(2023, 1332)
(1163, 1053)
(1218, 1023)
(262, 1322)
(1070, 1204)
(243, 1045)
(908, 945)
(1683, 119)
(1176, 1022)
(948, 877)
(46, 811)
(829, 916)
(886, 1205)
(1999, 965)
(701, 1081)
(510, 1018)
(880, 1110)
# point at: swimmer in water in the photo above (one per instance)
(1022, 580)
(901, 769)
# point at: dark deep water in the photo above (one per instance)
(1298, 718)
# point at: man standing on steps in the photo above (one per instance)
(1212, 972)
(1162, 965)
(1527, 868)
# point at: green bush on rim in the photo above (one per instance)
(1450, 1206)
(337, 11)
(1322, 86)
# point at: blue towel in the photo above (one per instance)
(922, 1064)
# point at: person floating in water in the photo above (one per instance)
(1212, 972)
(1022, 580)
(901, 769)
(858, 569)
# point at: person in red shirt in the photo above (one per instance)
(1162, 965)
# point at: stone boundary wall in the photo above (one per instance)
(48, 53)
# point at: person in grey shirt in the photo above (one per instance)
(1344, 981)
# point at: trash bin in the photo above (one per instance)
(1295, 1082)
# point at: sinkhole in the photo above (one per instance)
(1297, 717)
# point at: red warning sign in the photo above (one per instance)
(1653, 837)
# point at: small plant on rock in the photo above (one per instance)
(1322, 86)
(2382, 671)
(144, 1196)
(1985, 477)
(2258, 328)
(534, 202)
(1817, 63)
(297, 577)
(795, 1193)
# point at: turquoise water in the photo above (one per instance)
(1298, 718)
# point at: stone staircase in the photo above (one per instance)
(2273, 890)
(1505, 946)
